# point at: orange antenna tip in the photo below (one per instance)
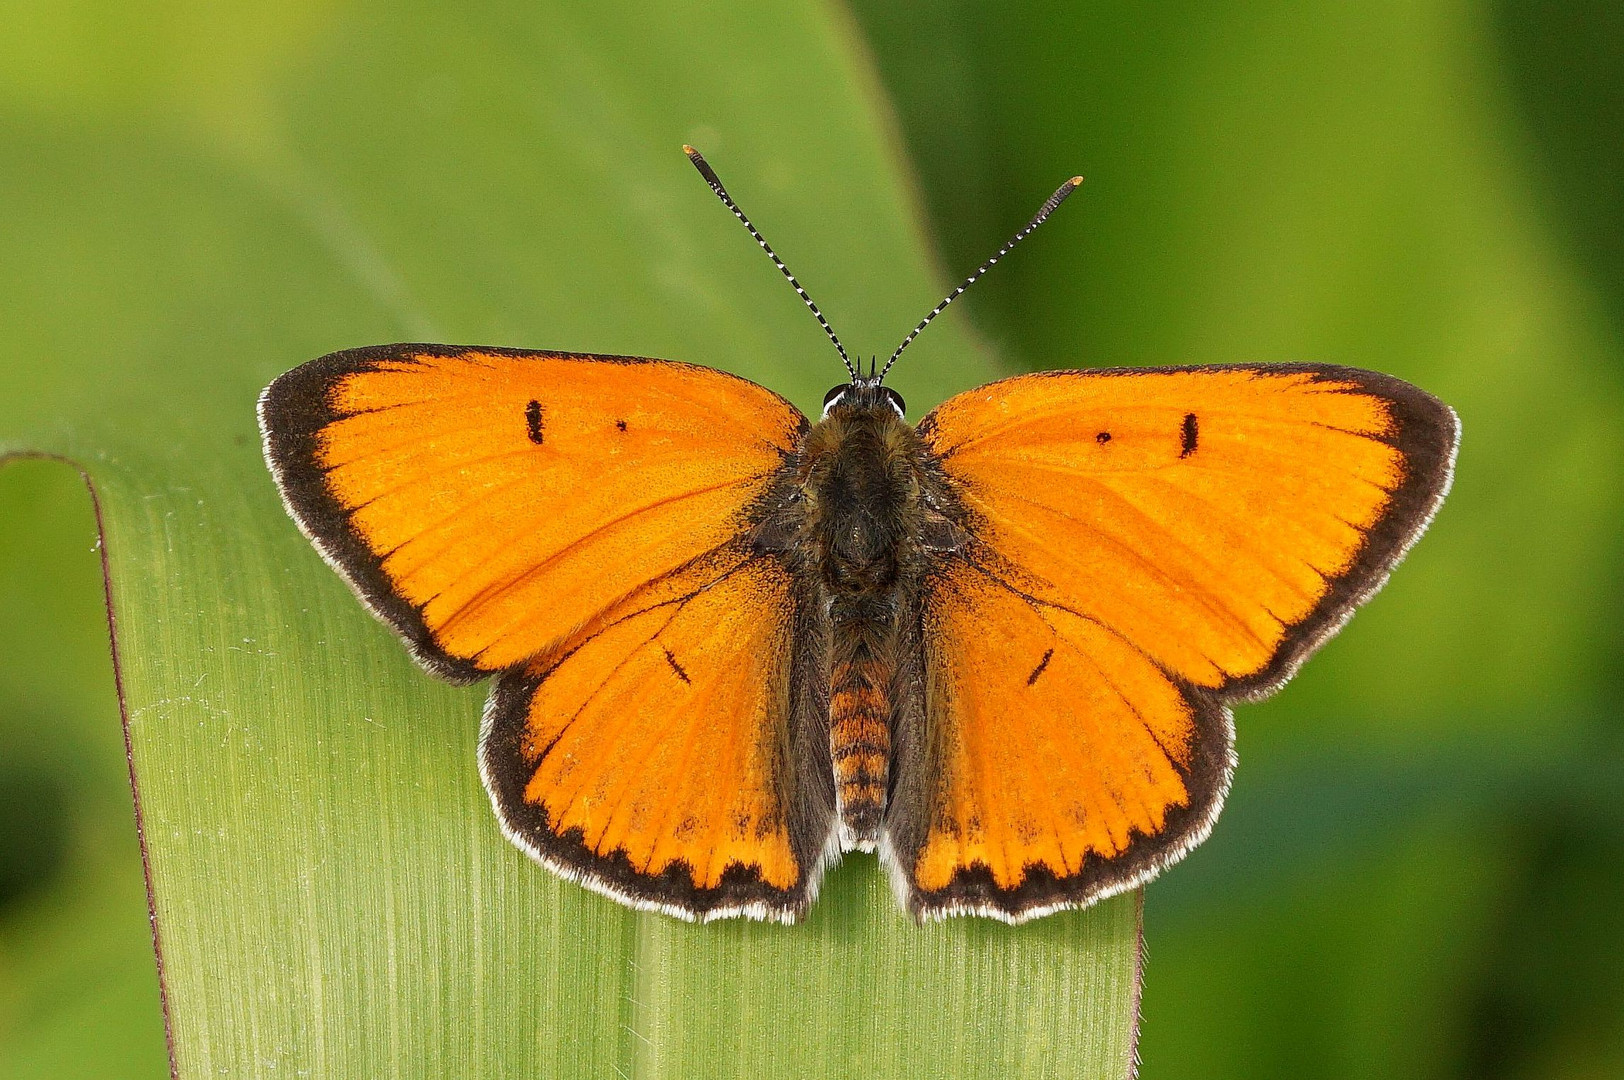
(690, 151)
(1060, 195)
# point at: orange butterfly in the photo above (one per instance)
(731, 644)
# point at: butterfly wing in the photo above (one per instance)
(1144, 547)
(581, 524)
(677, 758)
(488, 504)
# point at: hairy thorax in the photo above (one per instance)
(859, 480)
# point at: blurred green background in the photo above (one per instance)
(1420, 872)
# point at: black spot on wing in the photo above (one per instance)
(676, 667)
(620, 425)
(1042, 664)
(1103, 437)
(533, 417)
(1187, 437)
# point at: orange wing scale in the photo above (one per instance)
(1146, 545)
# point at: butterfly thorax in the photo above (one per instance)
(858, 479)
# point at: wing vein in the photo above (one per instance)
(1223, 513)
(496, 589)
(1204, 596)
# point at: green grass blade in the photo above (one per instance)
(332, 894)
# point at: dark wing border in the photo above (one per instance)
(1426, 432)
(297, 406)
(807, 794)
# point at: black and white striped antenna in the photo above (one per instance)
(727, 200)
(1043, 212)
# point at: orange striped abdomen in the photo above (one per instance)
(860, 743)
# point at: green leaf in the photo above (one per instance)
(189, 218)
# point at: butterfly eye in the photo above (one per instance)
(834, 396)
(896, 401)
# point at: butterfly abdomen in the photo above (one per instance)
(860, 717)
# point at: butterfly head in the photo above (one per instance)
(864, 395)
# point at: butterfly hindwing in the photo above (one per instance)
(677, 757)
(1049, 761)
(486, 503)
(1145, 547)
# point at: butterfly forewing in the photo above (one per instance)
(1146, 545)
(488, 503)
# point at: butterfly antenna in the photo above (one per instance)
(1037, 219)
(727, 200)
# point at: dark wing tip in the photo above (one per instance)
(293, 411)
(1426, 433)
